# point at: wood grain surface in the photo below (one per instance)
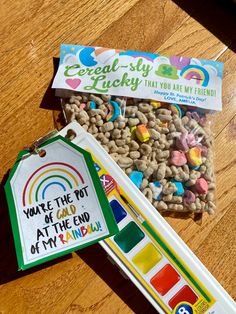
(30, 34)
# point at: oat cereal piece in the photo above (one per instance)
(169, 188)
(133, 121)
(116, 133)
(148, 193)
(141, 165)
(176, 207)
(106, 98)
(154, 134)
(142, 118)
(144, 107)
(134, 155)
(128, 171)
(167, 198)
(162, 206)
(97, 100)
(130, 111)
(134, 146)
(125, 162)
(144, 184)
(145, 149)
(148, 172)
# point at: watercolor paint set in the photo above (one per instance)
(147, 249)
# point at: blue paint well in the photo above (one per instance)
(118, 211)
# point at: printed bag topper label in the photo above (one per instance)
(181, 80)
(57, 203)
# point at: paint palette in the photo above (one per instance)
(147, 249)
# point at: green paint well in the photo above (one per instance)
(128, 237)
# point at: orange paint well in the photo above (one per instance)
(165, 279)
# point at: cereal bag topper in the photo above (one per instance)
(57, 203)
(180, 80)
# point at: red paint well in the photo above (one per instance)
(184, 294)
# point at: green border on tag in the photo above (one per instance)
(102, 198)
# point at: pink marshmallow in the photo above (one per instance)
(201, 186)
(178, 158)
(181, 142)
(82, 106)
(191, 140)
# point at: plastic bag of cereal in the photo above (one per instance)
(152, 114)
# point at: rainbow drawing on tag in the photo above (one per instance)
(55, 173)
(195, 72)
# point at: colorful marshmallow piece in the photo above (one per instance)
(91, 105)
(82, 106)
(200, 111)
(156, 188)
(164, 124)
(182, 142)
(175, 109)
(133, 131)
(201, 186)
(155, 104)
(189, 197)
(180, 188)
(178, 158)
(136, 177)
(114, 111)
(191, 140)
(196, 168)
(204, 151)
(194, 156)
(142, 133)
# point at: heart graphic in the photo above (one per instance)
(73, 83)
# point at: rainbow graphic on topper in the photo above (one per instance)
(52, 174)
(197, 73)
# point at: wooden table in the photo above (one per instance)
(31, 32)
